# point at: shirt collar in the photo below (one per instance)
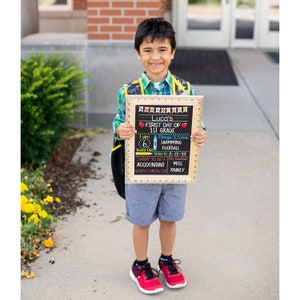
(146, 80)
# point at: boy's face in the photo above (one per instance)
(156, 57)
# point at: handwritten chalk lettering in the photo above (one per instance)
(159, 153)
(143, 159)
(153, 130)
(177, 170)
(150, 171)
(177, 163)
(171, 142)
(151, 158)
(178, 166)
(167, 130)
(168, 148)
(173, 137)
(178, 158)
(159, 158)
(181, 144)
(178, 153)
(162, 118)
(165, 137)
(144, 136)
(141, 171)
(152, 124)
(150, 164)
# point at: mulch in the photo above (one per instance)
(67, 177)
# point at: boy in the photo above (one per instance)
(155, 47)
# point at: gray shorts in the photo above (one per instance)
(147, 202)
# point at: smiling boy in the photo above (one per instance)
(155, 47)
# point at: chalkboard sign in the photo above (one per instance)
(161, 151)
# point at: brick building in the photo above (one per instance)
(217, 24)
(100, 33)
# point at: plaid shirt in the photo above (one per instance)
(165, 88)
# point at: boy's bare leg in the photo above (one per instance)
(167, 265)
(167, 234)
(140, 241)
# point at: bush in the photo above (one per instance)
(50, 85)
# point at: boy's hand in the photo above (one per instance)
(125, 131)
(199, 138)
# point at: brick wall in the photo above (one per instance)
(79, 4)
(117, 19)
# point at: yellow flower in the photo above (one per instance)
(31, 275)
(43, 214)
(28, 207)
(24, 200)
(24, 273)
(49, 243)
(47, 233)
(48, 199)
(35, 219)
(37, 208)
(24, 187)
(49, 187)
(57, 200)
(27, 274)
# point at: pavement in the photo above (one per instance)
(228, 241)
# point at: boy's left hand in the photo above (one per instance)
(199, 138)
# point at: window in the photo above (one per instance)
(51, 5)
(274, 15)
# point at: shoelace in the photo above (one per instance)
(172, 265)
(150, 272)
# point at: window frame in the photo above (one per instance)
(57, 7)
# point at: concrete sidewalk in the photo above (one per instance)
(228, 241)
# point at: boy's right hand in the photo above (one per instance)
(125, 131)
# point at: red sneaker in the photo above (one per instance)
(145, 278)
(173, 276)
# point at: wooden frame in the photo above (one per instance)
(161, 151)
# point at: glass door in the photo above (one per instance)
(244, 25)
(202, 23)
(227, 23)
(269, 29)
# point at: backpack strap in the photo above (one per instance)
(134, 87)
(179, 86)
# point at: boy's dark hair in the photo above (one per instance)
(153, 29)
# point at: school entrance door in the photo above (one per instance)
(226, 23)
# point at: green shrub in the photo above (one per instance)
(50, 85)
